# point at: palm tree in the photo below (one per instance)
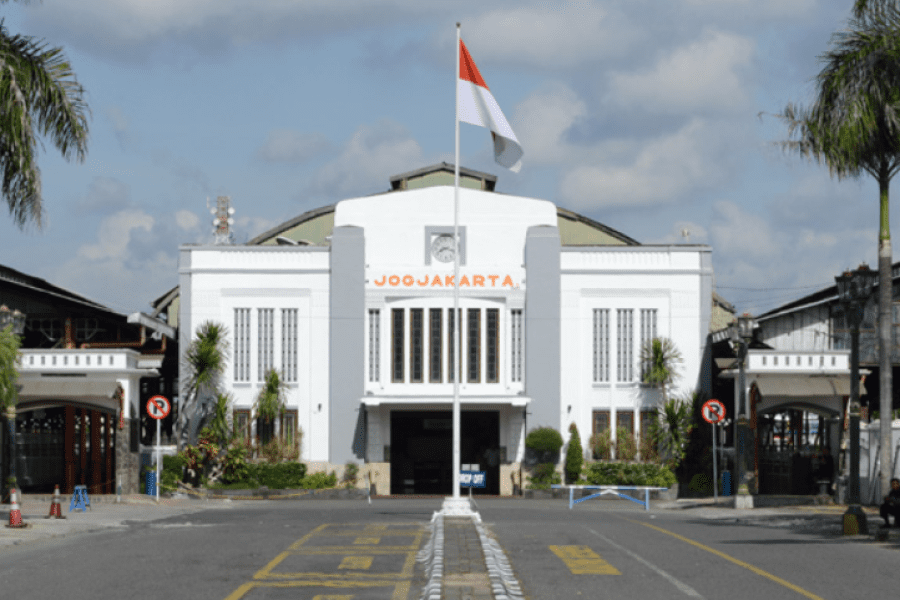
(203, 365)
(659, 361)
(853, 126)
(39, 96)
(270, 401)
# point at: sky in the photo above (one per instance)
(654, 118)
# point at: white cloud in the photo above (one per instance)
(702, 75)
(284, 145)
(663, 170)
(371, 154)
(115, 234)
(571, 33)
(186, 220)
(742, 235)
(542, 120)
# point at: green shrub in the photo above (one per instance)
(237, 485)
(640, 474)
(574, 456)
(544, 439)
(701, 484)
(278, 476)
(626, 445)
(234, 467)
(351, 472)
(601, 444)
(543, 476)
(318, 481)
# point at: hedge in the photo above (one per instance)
(616, 473)
(544, 439)
(278, 476)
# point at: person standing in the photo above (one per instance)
(891, 504)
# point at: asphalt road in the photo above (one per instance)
(350, 549)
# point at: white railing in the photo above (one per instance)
(798, 361)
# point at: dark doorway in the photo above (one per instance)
(421, 450)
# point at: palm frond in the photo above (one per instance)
(39, 96)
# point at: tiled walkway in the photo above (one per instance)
(465, 574)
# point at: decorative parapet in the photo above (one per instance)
(65, 361)
(780, 361)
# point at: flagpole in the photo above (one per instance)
(457, 350)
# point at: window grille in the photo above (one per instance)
(625, 350)
(289, 344)
(374, 344)
(266, 341)
(516, 345)
(601, 345)
(241, 344)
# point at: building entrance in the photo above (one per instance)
(421, 450)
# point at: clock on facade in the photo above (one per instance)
(442, 248)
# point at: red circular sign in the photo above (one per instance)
(158, 407)
(713, 411)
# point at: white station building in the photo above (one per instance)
(353, 305)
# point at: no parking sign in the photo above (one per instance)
(713, 411)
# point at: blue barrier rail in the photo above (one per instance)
(609, 489)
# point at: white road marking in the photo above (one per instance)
(685, 588)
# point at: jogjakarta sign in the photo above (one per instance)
(445, 281)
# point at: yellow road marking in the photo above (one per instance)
(740, 563)
(367, 540)
(356, 562)
(581, 560)
(332, 597)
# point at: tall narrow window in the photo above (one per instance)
(374, 344)
(601, 345)
(397, 345)
(289, 428)
(625, 338)
(648, 333)
(242, 344)
(416, 349)
(473, 352)
(451, 344)
(265, 340)
(492, 340)
(600, 424)
(242, 423)
(435, 345)
(289, 344)
(515, 329)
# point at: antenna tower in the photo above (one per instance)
(222, 220)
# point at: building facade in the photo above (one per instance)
(353, 305)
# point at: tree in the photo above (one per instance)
(203, 365)
(853, 126)
(574, 455)
(672, 428)
(270, 401)
(660, 359)
(9, 360)
(39, 99)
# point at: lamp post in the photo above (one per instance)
(16, 321)
(741, 334)
(854, 288)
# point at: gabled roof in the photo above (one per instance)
(828, 294)
(16, 278)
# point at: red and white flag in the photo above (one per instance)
(478, 107)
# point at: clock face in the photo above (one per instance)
(442, 248)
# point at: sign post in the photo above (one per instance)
(158, 408)
(713, 413)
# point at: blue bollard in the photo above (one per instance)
(726, 483)
(150, 484)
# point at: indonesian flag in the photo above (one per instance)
(478, 107)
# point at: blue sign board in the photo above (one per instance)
(472, 479)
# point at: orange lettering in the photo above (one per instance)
(493, 279)
(448, 280)
(507, 281)
(383, 279)
(436, 280)
(408, 280)
(394, 280)
(424, 282)
(478, 280)
(464, 281)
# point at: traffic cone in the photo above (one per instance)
(15, 515)
(55, 510)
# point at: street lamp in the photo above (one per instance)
(16, 321)
(741, 334)
(854, 288)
